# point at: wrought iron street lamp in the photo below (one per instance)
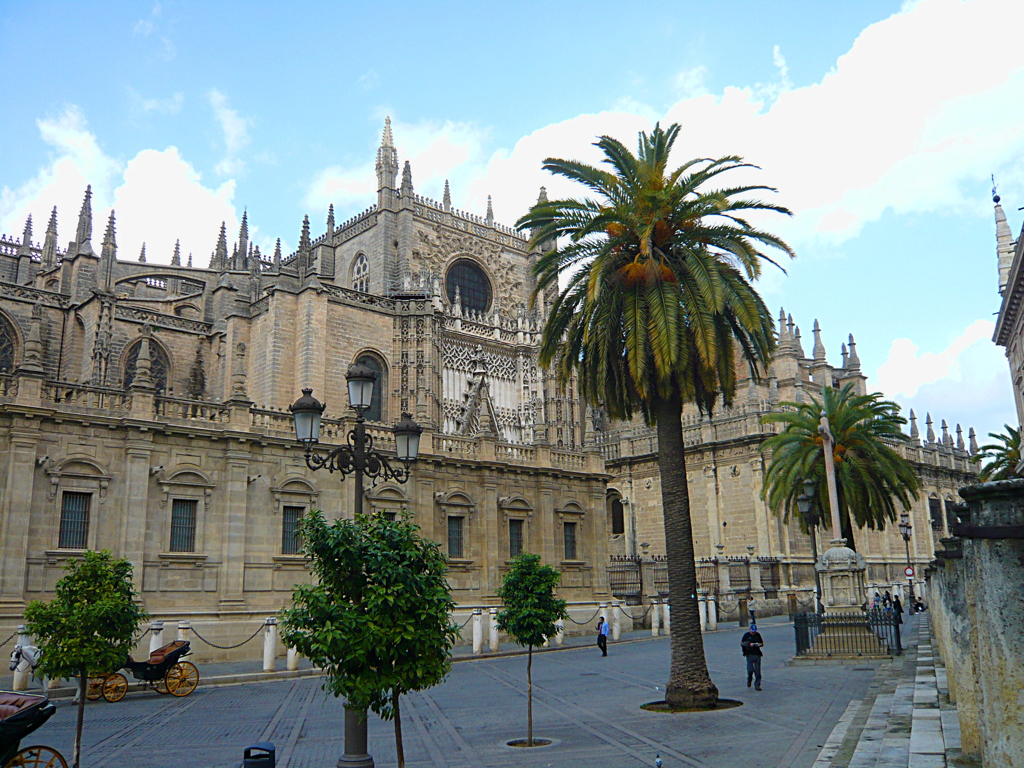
(358, 458)
(905, 529)
(804, 503)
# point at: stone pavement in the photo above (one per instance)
(588, 705)
(905, 721)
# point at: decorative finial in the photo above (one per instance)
(407, 176)
(330, 220)
(844, 355)
(819, 349)
(176, 258)
(26, 235)
(190, 259)
(446, 201)
(543, 196)
(304, 237)
(854, 360)
(973, 444)
(277, 255)
(220, 256)
(490, 211)
(83, 236)
(930, 434)
(142, 254)
(995, 196)
(959, 438)
(915, 433)
(386, 139)
(50, 244)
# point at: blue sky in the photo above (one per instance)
(879, 123)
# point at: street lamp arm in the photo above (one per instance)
(345, 460)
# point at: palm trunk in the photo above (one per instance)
(689, 683)
(399, 747)
(529, 696)
(83, 681)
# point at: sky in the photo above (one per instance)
(879, 124)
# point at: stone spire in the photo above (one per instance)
(387, 159)
(406, 179)
(818, 352)
(277, 256)
(959, 438)
(330, 220)
(108, 256)
(142, 254)
(446, 201)
(302, 258)
(853, 362)
(973, 444)
(243, 241)
(50, 244)
(1004, 241)
(176, 258)
(220, 256)
(915, 433)
(33, 360)
(797, 342)
(930, 434)
(26, 238)
(543, 196)
(143, 378)
(83, 236)
(490, 212)
(190, 259)
(947, 439)
(845, 355)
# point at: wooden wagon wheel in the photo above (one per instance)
(160, 686)
(94, 688)
(182, 678)
(115, 687)
(38, 757)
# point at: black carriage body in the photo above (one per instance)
(151, 672)
(20, 715)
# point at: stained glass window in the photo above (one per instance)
(6, 346)
(473, 286)
(376, 410)
(158, 364)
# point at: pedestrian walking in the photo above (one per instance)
(751, 644)
(897, 608)
(602, 636)
(887, 600)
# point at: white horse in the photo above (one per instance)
(25, 658)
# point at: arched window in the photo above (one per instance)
(473, 287)
(376, 410)
(615, 511)
(158, 364)
(7, 344)
(361, 274)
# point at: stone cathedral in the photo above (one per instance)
(143, 409)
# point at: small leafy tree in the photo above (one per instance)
(530, 612)
(378, 621)
(91, 624)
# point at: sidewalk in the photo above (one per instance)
(905, 721)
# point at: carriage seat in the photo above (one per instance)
(157, 656)
(13, 703)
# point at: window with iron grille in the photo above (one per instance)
(74, 520)
(935, 512)
(515, 538)
(569, 540)
(291, 542)
(183, 525)
(158, 364)
(455, 537)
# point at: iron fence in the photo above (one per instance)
(625, 579)
(871, 633)
(661, 574)
(707, 576)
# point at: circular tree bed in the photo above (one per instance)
(526, 743)
(661, 706)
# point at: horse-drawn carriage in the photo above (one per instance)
(20, 714)
(163, 671)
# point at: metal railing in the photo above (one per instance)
(869, 633)
(625, 579)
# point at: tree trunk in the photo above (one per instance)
(529, 696)
(83, 681)
(689, 683)
(399, 747)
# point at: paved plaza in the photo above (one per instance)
(589, 706)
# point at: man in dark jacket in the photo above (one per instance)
(751, 645)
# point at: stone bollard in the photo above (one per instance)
(493, 621)
(712, 614)
(293, 660)
(702, 609)
(616, 621)
(478, 631)
(560, 637)
(655, 618)
(156, 635)
(270, 645)
(666, 620)
(23, 671)
(184, 627)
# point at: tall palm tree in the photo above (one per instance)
(660, 299)
(870, 474)
(1003, 456)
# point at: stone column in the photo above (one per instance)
(478, 631)
(16, 511)
(270, 645)
(655, 618)
(23, 671)
(702, 608)
(234, 503)
(184, 627)
(712, 614)
(616, 620)
(666, 617)
(560, 635)
(993, 562)
(493, 625)
(135, 503)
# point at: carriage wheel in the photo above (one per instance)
(38, 757)
(182, 678)
(94, 688)
(115, 687)
(160, 686)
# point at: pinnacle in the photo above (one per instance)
(386, 139)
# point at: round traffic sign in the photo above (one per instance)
(909, 571)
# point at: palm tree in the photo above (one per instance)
(657, 300)
(1004, 456)
(870, 474)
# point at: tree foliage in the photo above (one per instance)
(1001, 458)
(871, 476)
(378, 620)
(658, 302)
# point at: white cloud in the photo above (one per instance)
(369, 80)
(170, 105)
(905, 370)
(690, 82)
(236, 134)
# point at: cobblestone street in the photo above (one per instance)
(589, 705)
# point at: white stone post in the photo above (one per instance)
(655, 618)
(293, 660)
(702, 609)
(270, 644)
(184, 627)
(616, 621)
(712, 614)
(478, 631)
(560, 636)
(493, 620)
(666, 618)
(156, 635)
(23, 671)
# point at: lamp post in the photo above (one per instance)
(805, 505)
(357, 458)
(905, 529)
